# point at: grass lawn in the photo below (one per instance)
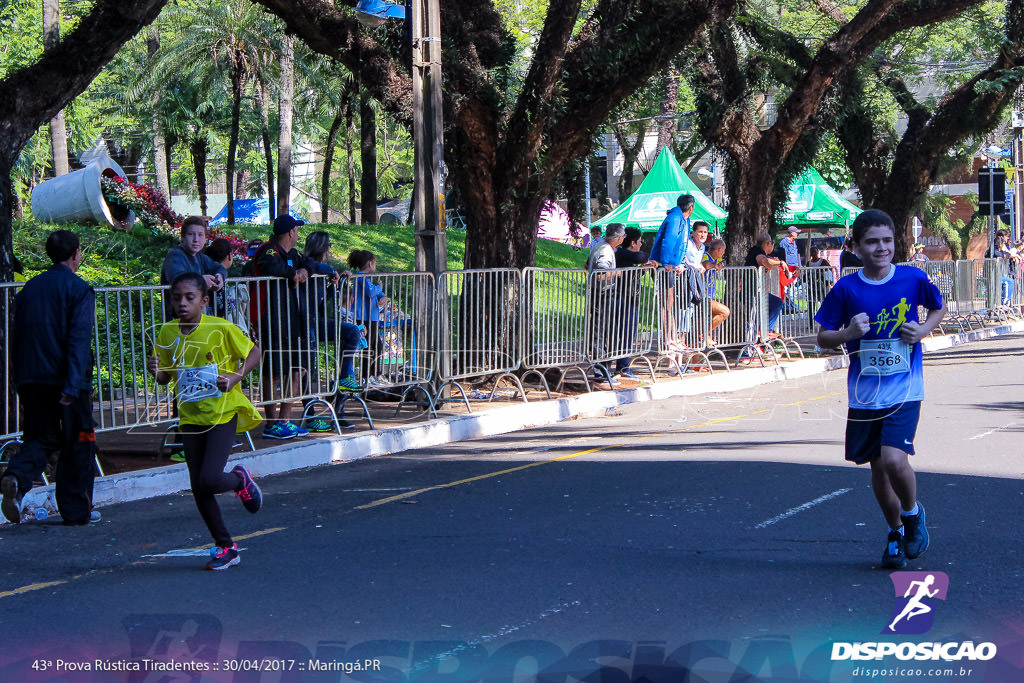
(117, 258)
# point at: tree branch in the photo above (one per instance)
(33, 95)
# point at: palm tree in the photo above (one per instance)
(189, 112)
(240, 43)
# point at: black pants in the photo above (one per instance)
(206, 453)
(50, 426)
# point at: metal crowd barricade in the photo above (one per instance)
(555, 323)
(10, 427)
(396, 314)
(967, 314)
(803, 298)
(943, 276)
(124, 339)
(740, 290)
(684, 326)
(620, 315)
(479, 328)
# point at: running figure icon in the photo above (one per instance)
(916, 607)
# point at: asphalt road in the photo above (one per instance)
(724, 538)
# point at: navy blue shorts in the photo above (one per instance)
(867, 430)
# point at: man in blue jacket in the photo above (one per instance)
(51, 356)
(668, 252)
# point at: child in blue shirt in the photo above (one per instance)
(874, 312)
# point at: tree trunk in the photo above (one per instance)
(236, 115)
(667, 110)
(350, 134)
(332, 141)
(31, 96)
(58, 129)
(368, 157)
(199, 150)
(160, 164)
(284, 141)
(241, 181)
(268, 151)
(630, 152)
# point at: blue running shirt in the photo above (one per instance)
(884, 370)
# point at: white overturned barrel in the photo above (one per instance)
(77, 197)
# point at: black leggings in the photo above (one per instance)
(206, 453)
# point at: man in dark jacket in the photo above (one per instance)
(283, 323)
(52, 362)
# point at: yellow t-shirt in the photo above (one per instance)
(194, 360)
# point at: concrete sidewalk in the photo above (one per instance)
(298, 454)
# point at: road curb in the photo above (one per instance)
(295, 455)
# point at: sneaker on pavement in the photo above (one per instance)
(11, 504)
(318, 425)
(916, 533)
(224, 558)
(94, 516)
(279, 430)
(345, 424)
(250, 493)
(628, 374)
(894, 557)
(299, 431)
(349, 384)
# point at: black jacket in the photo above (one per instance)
(52, 336)
(281, 300)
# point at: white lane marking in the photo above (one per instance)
(992, 431)
(800, 508)
(503, 631)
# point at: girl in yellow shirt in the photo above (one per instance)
(201, 354)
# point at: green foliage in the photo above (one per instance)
(830, 163)
(937, 214)
(117, 258)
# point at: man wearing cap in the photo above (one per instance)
(188, 257)
(790, 248)
(919, 254)
(282, 323)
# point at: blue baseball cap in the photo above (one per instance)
(286, 223)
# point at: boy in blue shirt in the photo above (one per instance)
(874, 312)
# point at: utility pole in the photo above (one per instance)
(1018, 176)
(428, 126)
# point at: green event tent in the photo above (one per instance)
(813, 202)
(646, 208)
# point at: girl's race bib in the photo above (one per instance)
(195, 384)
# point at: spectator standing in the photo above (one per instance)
(188, 257)
(919, 254)
(713, 262)
(51, 359)
(232, 302)
(760, 255)
(668, 252)
(790, 248)
(324, 324)
(629, 255)
(283, 326)
(367, 301)
(848, 258)
(605, 319)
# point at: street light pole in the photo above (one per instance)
(428, 122)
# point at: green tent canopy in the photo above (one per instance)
(813, 202)
(646, 208)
